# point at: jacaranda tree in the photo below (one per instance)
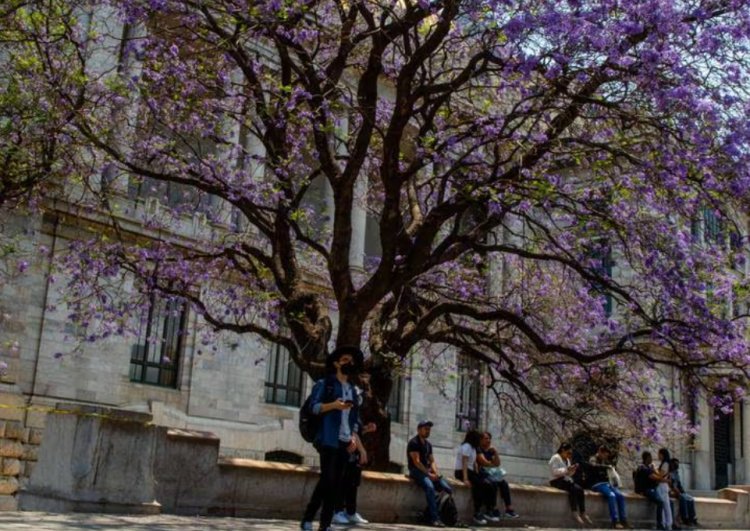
(555, 188)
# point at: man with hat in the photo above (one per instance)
(423, 470)
(333, 397)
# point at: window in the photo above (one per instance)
(283, 378)
(600, 258)
(154, 359)
(469, 393)
(396, 399)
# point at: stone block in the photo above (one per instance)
(30, 452)
(11, 467)
(28, 468)
(2, 429)
(8, 503)
(14, 430)
(8, 485)
(11, 406)
(35, 436)
(10, 448)
(36, 419)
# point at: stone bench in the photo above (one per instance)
(101, 461)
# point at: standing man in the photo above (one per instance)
(333, 398)
(424, 471)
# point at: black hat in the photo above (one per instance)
(355, 352)
(423, 423)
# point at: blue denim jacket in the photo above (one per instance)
(328, 435)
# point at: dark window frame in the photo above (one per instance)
(469, 393)
(169, 349)
(396, 399)
(283, 393)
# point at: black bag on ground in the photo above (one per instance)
(447, 509)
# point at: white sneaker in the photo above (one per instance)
(341, 518)
(356, 518)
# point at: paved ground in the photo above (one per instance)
(27, 521)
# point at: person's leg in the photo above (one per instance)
(568, 486)
(605, 490)
(477, 491)
(654, 497)
(580, 497)
(442, 485)
(663, 492)
(316, 499)
(352, 486)
(424, 481)
(621, 512)
(690, 505)
(504, 489)
(331, 477)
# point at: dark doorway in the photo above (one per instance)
(723, 446)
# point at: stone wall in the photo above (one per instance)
(19, 447)
(108, 460)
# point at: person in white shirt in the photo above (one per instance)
(561, 472)
(467, 471)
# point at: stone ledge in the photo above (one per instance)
(104, 413)
(193, 435)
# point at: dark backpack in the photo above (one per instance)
(309, 422)
(447, 509)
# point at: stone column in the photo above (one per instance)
(702, 463)
(746, 441)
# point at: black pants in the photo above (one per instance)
(575, 493)
(332, 463)
(347, 497)
(482, 492)
(504, 489)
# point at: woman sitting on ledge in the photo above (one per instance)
(561, 472)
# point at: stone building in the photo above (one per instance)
(244, 390)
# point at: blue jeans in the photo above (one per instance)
(615, 501)
(687, 508)
(654, 497)
(430, 490)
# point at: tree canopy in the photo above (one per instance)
(557, 189)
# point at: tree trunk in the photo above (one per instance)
(377, 389)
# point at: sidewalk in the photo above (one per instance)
(27, 521)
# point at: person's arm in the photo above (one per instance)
(433, 468)
(465, 468)
(558, 467)
(483, 461)
(417, 462)
(320, 408)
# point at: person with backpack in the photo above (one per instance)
(646, 480)
(423, 470)
(599, 470)
(466, 470)
(333, 400)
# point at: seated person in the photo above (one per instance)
(677, 491)
(646, 480)
(561, 473)
(598, 472)
(467, 471)
(488, 460)
(423, 470)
